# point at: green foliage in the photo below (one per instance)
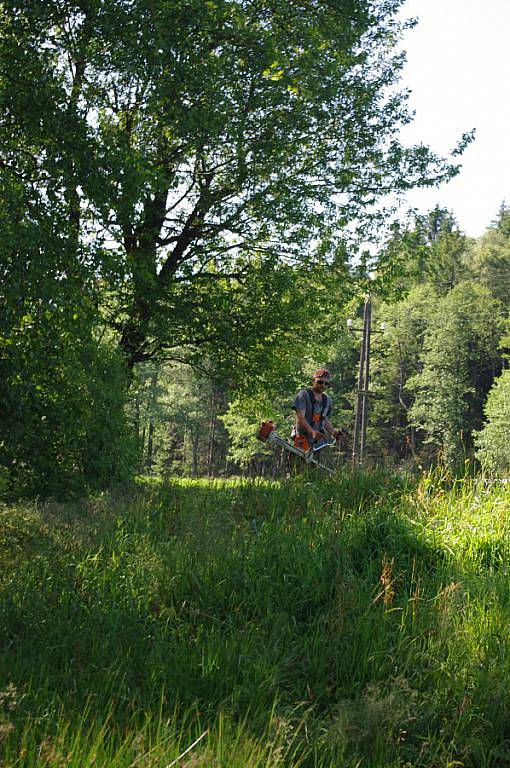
(396, 358)
(62, 410)
(62, 380)
(491, 260)
(493, 441)
(427, 248)
(175, 410)
(178, 181)
(241, 427)
(242, 420)
(197, 148)
(204, 420)
(445, 339)
(431, 369)
(459, 360)
(62, 391)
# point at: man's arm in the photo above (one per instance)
(304, 426)
(332, 430)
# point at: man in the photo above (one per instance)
(313, 408)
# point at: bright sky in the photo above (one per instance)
(459, 71)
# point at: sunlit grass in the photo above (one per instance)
(358, 621)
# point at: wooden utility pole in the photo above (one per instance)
(360, 422)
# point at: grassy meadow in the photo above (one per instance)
(359, 621)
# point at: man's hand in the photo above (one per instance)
(338, 433)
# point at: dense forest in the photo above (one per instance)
(195, 199)
(438, 385)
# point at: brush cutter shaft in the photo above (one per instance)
(307, 456)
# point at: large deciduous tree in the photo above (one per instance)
(62, 389)
(195, 149)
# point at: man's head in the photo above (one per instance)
(321, 379)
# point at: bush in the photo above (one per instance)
(62, 418)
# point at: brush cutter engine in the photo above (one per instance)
(267, 434)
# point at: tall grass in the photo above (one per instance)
(358, 621)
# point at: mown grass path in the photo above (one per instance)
(360, 621)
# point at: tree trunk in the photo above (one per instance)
(149, 459)
(194, 453)
(212, 432)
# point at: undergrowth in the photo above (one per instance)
(358, 621)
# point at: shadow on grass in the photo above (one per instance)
(225, 597)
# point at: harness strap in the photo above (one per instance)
(324, 404)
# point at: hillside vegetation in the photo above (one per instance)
(360, 621)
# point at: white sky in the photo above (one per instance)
(458, 69)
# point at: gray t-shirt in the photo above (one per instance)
(303, 402)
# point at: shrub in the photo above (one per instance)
(64, 430)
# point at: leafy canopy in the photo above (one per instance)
(190, 144)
